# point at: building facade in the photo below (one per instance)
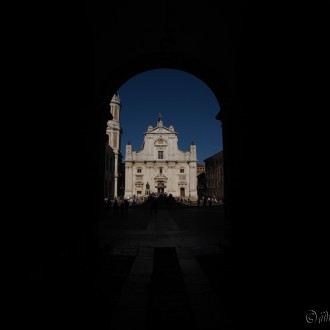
(109, 171)
(160, 167)
(214, 176)
(200, 168)
(114, 132)
(201, 185)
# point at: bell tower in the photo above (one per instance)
(114, 132)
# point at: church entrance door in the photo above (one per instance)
(182, 193)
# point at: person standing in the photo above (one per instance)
(210, 202)
(115, 207)
(126, 205)
(122, 207)
(204, 201)
(109, 206)
(106, 208)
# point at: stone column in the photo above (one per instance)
(116, 174)
(192, 181)
(171, 178)
(129, 179)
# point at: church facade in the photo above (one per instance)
(160, 167)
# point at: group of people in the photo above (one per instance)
(206, 201)
(118, 205)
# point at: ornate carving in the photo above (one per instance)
(160, 142)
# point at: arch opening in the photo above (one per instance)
(192, 116)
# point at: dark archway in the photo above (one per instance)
(277, 224)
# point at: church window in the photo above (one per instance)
(181, 170)
(160, 154)
(160, 170)
(139, 170)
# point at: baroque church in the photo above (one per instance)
(160, 167)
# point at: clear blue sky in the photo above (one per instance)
(183, 100)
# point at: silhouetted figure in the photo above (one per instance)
(153, 203)
(107, 207)
(210, 202)
(204, 201)
(170, 200)
(126, 206)
(115, 207)
(122, 207)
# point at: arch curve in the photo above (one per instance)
(215, 80)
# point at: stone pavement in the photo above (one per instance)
(163, 268)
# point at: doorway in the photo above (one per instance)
(182, 193)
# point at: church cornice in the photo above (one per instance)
(160, 130)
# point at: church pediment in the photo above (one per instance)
(160, 142)
(160, 130)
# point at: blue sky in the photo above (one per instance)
(183, 100)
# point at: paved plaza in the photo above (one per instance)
(163, 267)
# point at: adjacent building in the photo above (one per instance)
(200, 168)
(113, 156)
(160, 167)
(109, 170)
(201, 185)
(214, 178)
